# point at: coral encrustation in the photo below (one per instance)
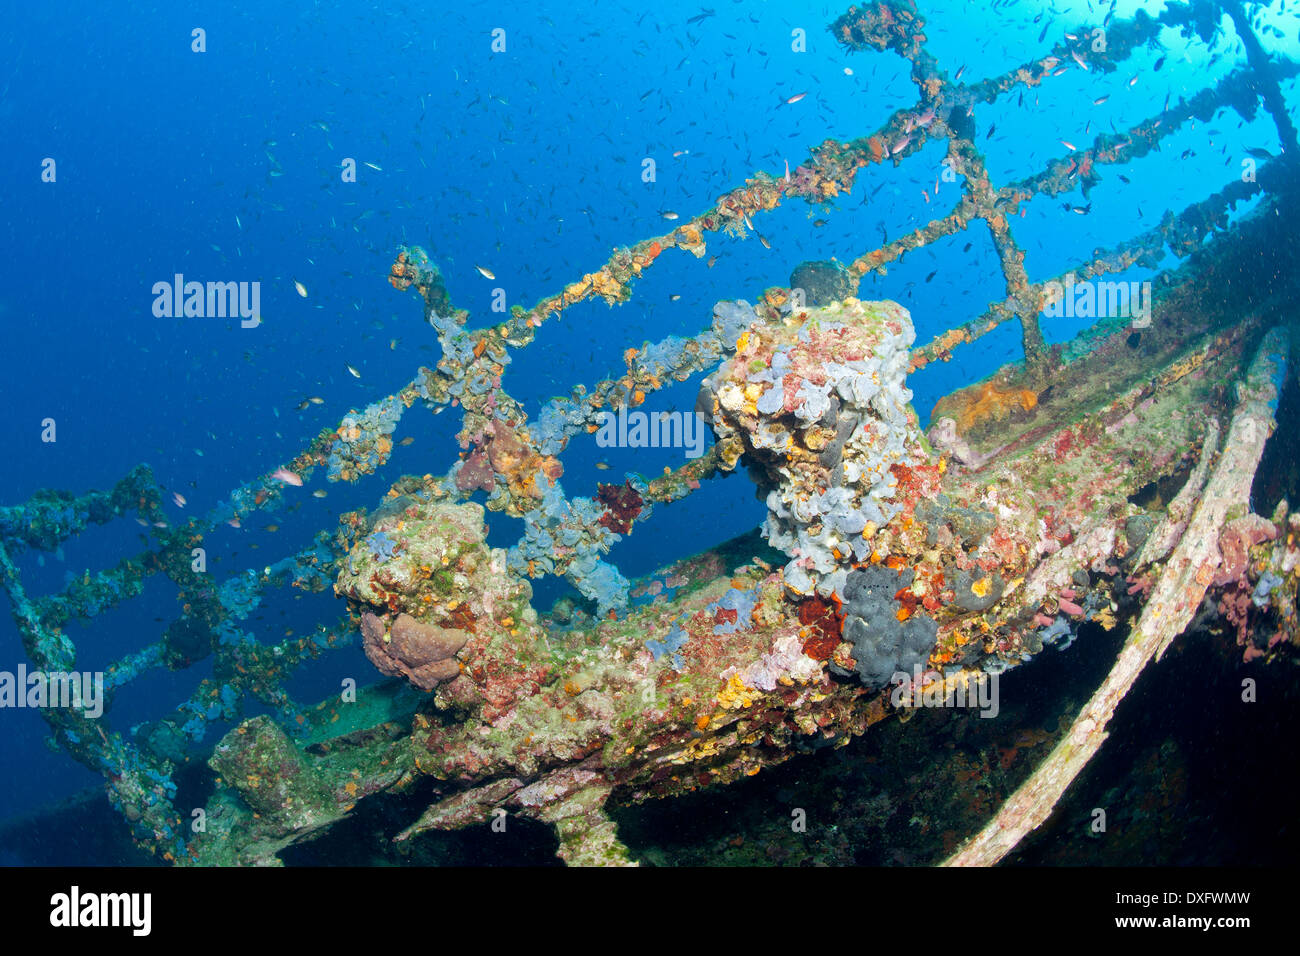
(819, 406)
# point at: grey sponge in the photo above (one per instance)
(882, 644)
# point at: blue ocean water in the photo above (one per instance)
(225, 165)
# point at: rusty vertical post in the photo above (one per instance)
(1265, 81)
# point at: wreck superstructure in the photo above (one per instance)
(949, 555)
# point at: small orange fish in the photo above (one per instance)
(795, 99)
